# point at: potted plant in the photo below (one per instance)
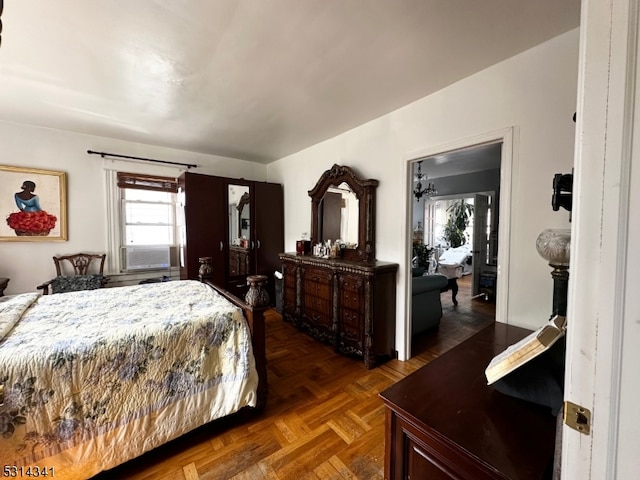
(422, 254)
(460, 213)
(421, 258)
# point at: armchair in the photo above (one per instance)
(426, 308)
(81, 278)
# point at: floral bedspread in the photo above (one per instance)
(102, 363)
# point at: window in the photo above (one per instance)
(436, 216)
(147, 215)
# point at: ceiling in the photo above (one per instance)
(249, 79)
(459, 162)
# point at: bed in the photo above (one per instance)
(89, 380)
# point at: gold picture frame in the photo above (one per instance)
(33, 203)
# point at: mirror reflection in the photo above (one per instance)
(339, 215)
(239, 216)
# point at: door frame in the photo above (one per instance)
(508, 158)
(602, 332)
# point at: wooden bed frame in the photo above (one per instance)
(255, 304)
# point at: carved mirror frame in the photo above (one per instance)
(365, 192)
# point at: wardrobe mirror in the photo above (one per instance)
(239, 216)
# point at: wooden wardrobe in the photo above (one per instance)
(238, 223)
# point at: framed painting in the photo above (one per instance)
(34, 205)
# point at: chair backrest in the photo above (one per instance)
(80, 262)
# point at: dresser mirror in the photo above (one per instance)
(340, 208)
(239, 215)
(343, 207)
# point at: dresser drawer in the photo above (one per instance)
(351, 292)
(317, 305)
(351, 283)
(351, 327)
(317, 281)
(288, 302)
(351, 313)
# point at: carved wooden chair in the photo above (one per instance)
(81, 279)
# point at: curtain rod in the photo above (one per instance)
(115, 155)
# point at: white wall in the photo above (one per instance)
(28, 264)
(534, 92)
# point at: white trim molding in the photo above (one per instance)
(507, 137)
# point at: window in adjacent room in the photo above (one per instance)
(436, 216)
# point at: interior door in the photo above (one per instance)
(480, 239)
(269, 231)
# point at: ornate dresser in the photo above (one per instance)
(350, 301)
(348, 304)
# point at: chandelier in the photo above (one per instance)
(430, 189)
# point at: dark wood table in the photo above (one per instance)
(3, 284)
(444, 421)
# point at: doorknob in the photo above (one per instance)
(221, 246)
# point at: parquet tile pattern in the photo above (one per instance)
(323, 418)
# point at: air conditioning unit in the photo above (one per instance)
(147, 258)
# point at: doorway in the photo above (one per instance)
(481, 172)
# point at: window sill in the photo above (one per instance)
(131, 278)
